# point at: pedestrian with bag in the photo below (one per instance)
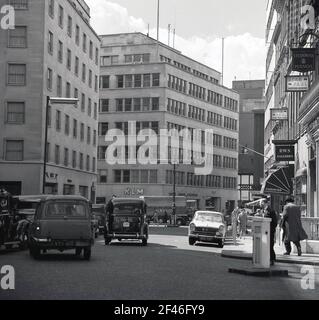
(291, 223)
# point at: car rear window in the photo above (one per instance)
(66, 209)
(127, 208)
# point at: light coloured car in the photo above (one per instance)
(207, 226)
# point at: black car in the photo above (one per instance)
(126, 219)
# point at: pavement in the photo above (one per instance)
(244, 248)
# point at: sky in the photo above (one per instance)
(200, 25)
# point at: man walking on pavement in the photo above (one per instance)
(291, 222)
(269, 212)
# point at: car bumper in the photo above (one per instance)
(126, 236)
(206, 238)
(60, 243)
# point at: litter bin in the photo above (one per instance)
(261, 243)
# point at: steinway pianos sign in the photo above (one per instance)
(303, 59)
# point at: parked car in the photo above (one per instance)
(126, 219)
(207, 226)
(99, 211)
(61, 223)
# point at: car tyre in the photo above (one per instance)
(34, 252)
(87, 253)
(179, 222)
(107, 241)
(221, 243)
(78, 251)
(191, 241)
(144, 242)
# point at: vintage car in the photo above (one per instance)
(61, 223)
(207, 226)
(126, 219)
(99, 212)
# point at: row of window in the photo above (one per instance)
(177, 83)
(230, 123)
(86, 73)
(137, 104)
(86, 43)
(77, 160)
(108, 60)
(188, 69)
(58, 126)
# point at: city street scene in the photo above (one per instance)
(156, 150)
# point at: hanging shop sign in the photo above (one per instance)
(277, 114)
(284, 150)
(303, 59)
(297, 83)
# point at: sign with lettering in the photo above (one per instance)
(285, 152)
(303, 59)
(297, 83)
(279, 114)
(134, 192)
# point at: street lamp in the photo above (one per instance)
(52, 101)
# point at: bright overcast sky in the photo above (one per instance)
(199, 25)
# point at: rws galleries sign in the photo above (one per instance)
(278, 114)
(303, 59)
(285, 152)
(297, 83)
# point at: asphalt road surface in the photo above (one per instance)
(168, 268)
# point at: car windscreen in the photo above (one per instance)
(127, 208)
(208, 217)
(69, 209)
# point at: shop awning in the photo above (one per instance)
(279, 182)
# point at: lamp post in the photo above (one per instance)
(51, 101)
(174, 192)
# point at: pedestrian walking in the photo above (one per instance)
(292, 226)
(269, 212)
(242, 219)
(234, 224)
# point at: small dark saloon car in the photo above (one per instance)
(126, 219)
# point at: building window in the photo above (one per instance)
(88, 137)
(57, 154)
(59, 86)
(49, 79)
(155, 104)
(69, 26)
(83, 72)
(58, 120)
(96, 84)
(120, 81)
(137, 81)
(84, 42)
(60, 52)
(16, 75)
(51, 8)
(66, 157)
(109, 60)
(61, 16)
(97, 56)
(15, 112)
(14, 150)
(87, 163)
(104, 82)
(104, 105)
(117, 176)
(103, 128)
(68, 60)
(75, 128)
(73, 159)
(67, 125)
(119, 105)
(146, 80)
(89, 107)
(19, 4)
(126, 176)
(90, 78)
(95, 110)
(128, 80)
(156, 79)
(94, 164)
(94, 138)
(81, 161)
(82, 132)
(68, 90)
(76, 66)
(83, 102)
(102, 174)
(101, 152)
(17, 37)
(91, 50)
(50, 43)
(77, 35)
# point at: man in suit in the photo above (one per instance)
(291, 222)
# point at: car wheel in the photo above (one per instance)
(87, 253)
(144, 242)
(179, 222)
(34, 252)
(221, 243)
(107, 241)
(78, 251)
(191, 241)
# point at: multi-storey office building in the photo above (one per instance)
(53, 51)
(284, 32)
(251, 136)
(159, 88)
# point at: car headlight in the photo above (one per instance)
(221, 229)
(192, 227)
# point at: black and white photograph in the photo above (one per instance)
(159, 155)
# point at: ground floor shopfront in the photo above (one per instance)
(26, 179)
(214, 199)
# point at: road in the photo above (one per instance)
(168, 268)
